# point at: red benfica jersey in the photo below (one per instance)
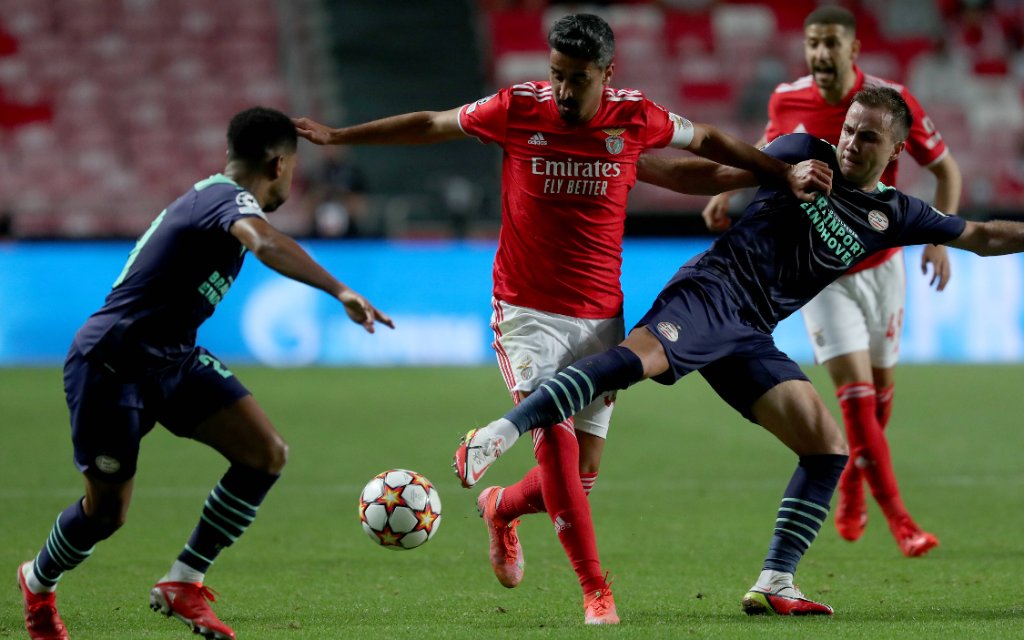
(797, 107)
(563, 193)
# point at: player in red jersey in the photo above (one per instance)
(855, 324)
(570, 150)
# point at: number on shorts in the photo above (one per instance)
(210, 361)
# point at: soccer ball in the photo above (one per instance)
(400, 509)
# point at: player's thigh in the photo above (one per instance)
(835, 321)
(243, 434)
(795, 414)
(108, 420)
(532, 346)
(754, 368)
(885, 291)
(206, 402)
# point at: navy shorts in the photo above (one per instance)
(110, 414)
(696, 319)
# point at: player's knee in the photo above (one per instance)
(274, 456)
(589, 467)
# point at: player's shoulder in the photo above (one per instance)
(623, 96)
(871, 81)
(219, 191)
(795, 88)
(794, 147)
(530, 92)
(216, 188)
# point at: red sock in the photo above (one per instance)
(868, 448)
(522, 497)
(850, 482)
(526, 496)
(883, 408)
(558, 455)
(588, 480)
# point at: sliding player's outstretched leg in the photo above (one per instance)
(558, 399)
(480, 448)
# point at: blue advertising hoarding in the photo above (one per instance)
(439, 297)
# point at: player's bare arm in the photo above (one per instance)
(992, 238)
(716, 211)
(948, 186)
(694, 176)
(699, 176)
(420, 127)
(282, 254)
(714, 144)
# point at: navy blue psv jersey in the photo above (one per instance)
(783, 251)
(172, 281)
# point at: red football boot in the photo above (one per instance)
(506, 552)
(783, 600)
(41, 618)
(186, 601)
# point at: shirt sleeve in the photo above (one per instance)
(230, 206)
(487, 118)
(927, 225)
(924, 143)
(666, 129)
(797, 147)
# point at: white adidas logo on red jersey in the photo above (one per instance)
(537, 139)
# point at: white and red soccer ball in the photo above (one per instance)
(400, 509)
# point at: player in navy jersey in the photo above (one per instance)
(717, 313)
(135, 362)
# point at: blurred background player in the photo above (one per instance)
(716, 316)
(135, 362)
(855, 324)
(570, 150)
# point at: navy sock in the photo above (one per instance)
(803, 510)
(228, 512)
(71, 541)
(576, 386)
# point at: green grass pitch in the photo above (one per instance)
(684, 507)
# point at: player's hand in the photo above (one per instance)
(312, 130)
(938, 257)
(808, 178)
(716, 213)
(360, 311)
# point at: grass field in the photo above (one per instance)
(684, 509)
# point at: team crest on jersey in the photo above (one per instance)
(878, 220)
(669, 330)
(614, 143)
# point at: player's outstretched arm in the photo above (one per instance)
(992, 238)
(694, 176)
(282, 254)
(698, 176)
(714, 144)
(420, 127)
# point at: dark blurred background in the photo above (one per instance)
(109, 109)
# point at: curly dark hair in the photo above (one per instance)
(255, 134)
